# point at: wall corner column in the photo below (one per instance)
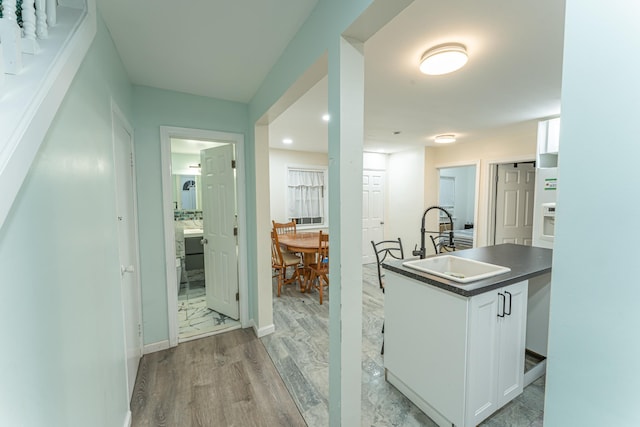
(263, 300)
(346, 134)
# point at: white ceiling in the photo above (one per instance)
(215, 48)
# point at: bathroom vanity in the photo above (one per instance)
(457, 350)
(194, 251)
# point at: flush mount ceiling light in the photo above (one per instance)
(445, 139)
(287, 141)
(443, 59)
(326, 117)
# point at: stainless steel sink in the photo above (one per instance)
(461, 270)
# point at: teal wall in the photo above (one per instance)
(62, 362)
(594, 340)
(154, 108)
(321, 34)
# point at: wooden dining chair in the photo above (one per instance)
(280, 261)
(320, 268)
(284, 227)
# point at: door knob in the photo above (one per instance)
(126, 269)
(204, 242)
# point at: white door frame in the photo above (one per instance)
(117, 112)
(166, 133)
(490, 173)
(476, 207)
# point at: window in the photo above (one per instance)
(307, 195)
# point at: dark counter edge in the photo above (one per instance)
(525, 262)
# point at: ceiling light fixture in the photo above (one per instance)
(287, 141)
(326, 117)
(443, 59)
(444, 139)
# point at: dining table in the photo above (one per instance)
(306, 243)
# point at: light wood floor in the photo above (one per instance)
(223, 380)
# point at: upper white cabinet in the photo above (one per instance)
(548, 142)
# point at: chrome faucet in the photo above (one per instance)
(422, 251)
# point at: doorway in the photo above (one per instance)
(206, 245)
(458, 191)
(205, 239)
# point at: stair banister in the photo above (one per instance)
(36, 84)
(42, 30)
(52, 5)
(29, 42)
(11, 38)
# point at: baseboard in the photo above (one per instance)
(209, 334)
(265, 330)
(127, 419)
(534, 373)
(156, 346)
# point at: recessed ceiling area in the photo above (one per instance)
(224, 49)
(303, 122)
(217, 48)
(512, 77)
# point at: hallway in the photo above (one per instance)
(223, 380)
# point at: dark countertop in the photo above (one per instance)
(525, 262)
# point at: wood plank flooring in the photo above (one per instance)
(223, 380)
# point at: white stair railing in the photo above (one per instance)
(35, 25)
(42, 44)
(10, 38)
(29, 43)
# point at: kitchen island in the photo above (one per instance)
(457, 350)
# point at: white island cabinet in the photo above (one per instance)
(458, 358)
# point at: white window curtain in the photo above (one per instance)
(306, 193)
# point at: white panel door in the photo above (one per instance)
(219, 225)
(128, 247)
(514, 203)
(372, 212)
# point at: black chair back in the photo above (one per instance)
(391, 248)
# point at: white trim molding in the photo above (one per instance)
(264, 331)
(127, 419)
(32, 97)
(156, 346)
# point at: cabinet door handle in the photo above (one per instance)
(504, 300)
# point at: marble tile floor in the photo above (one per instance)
(195, 320)
(299, 350)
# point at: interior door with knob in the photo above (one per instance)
(514, 203)
(219, 229)
(127, 246)
(372, 212)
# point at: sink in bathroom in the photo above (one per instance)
(192, 232)
(461, 270)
